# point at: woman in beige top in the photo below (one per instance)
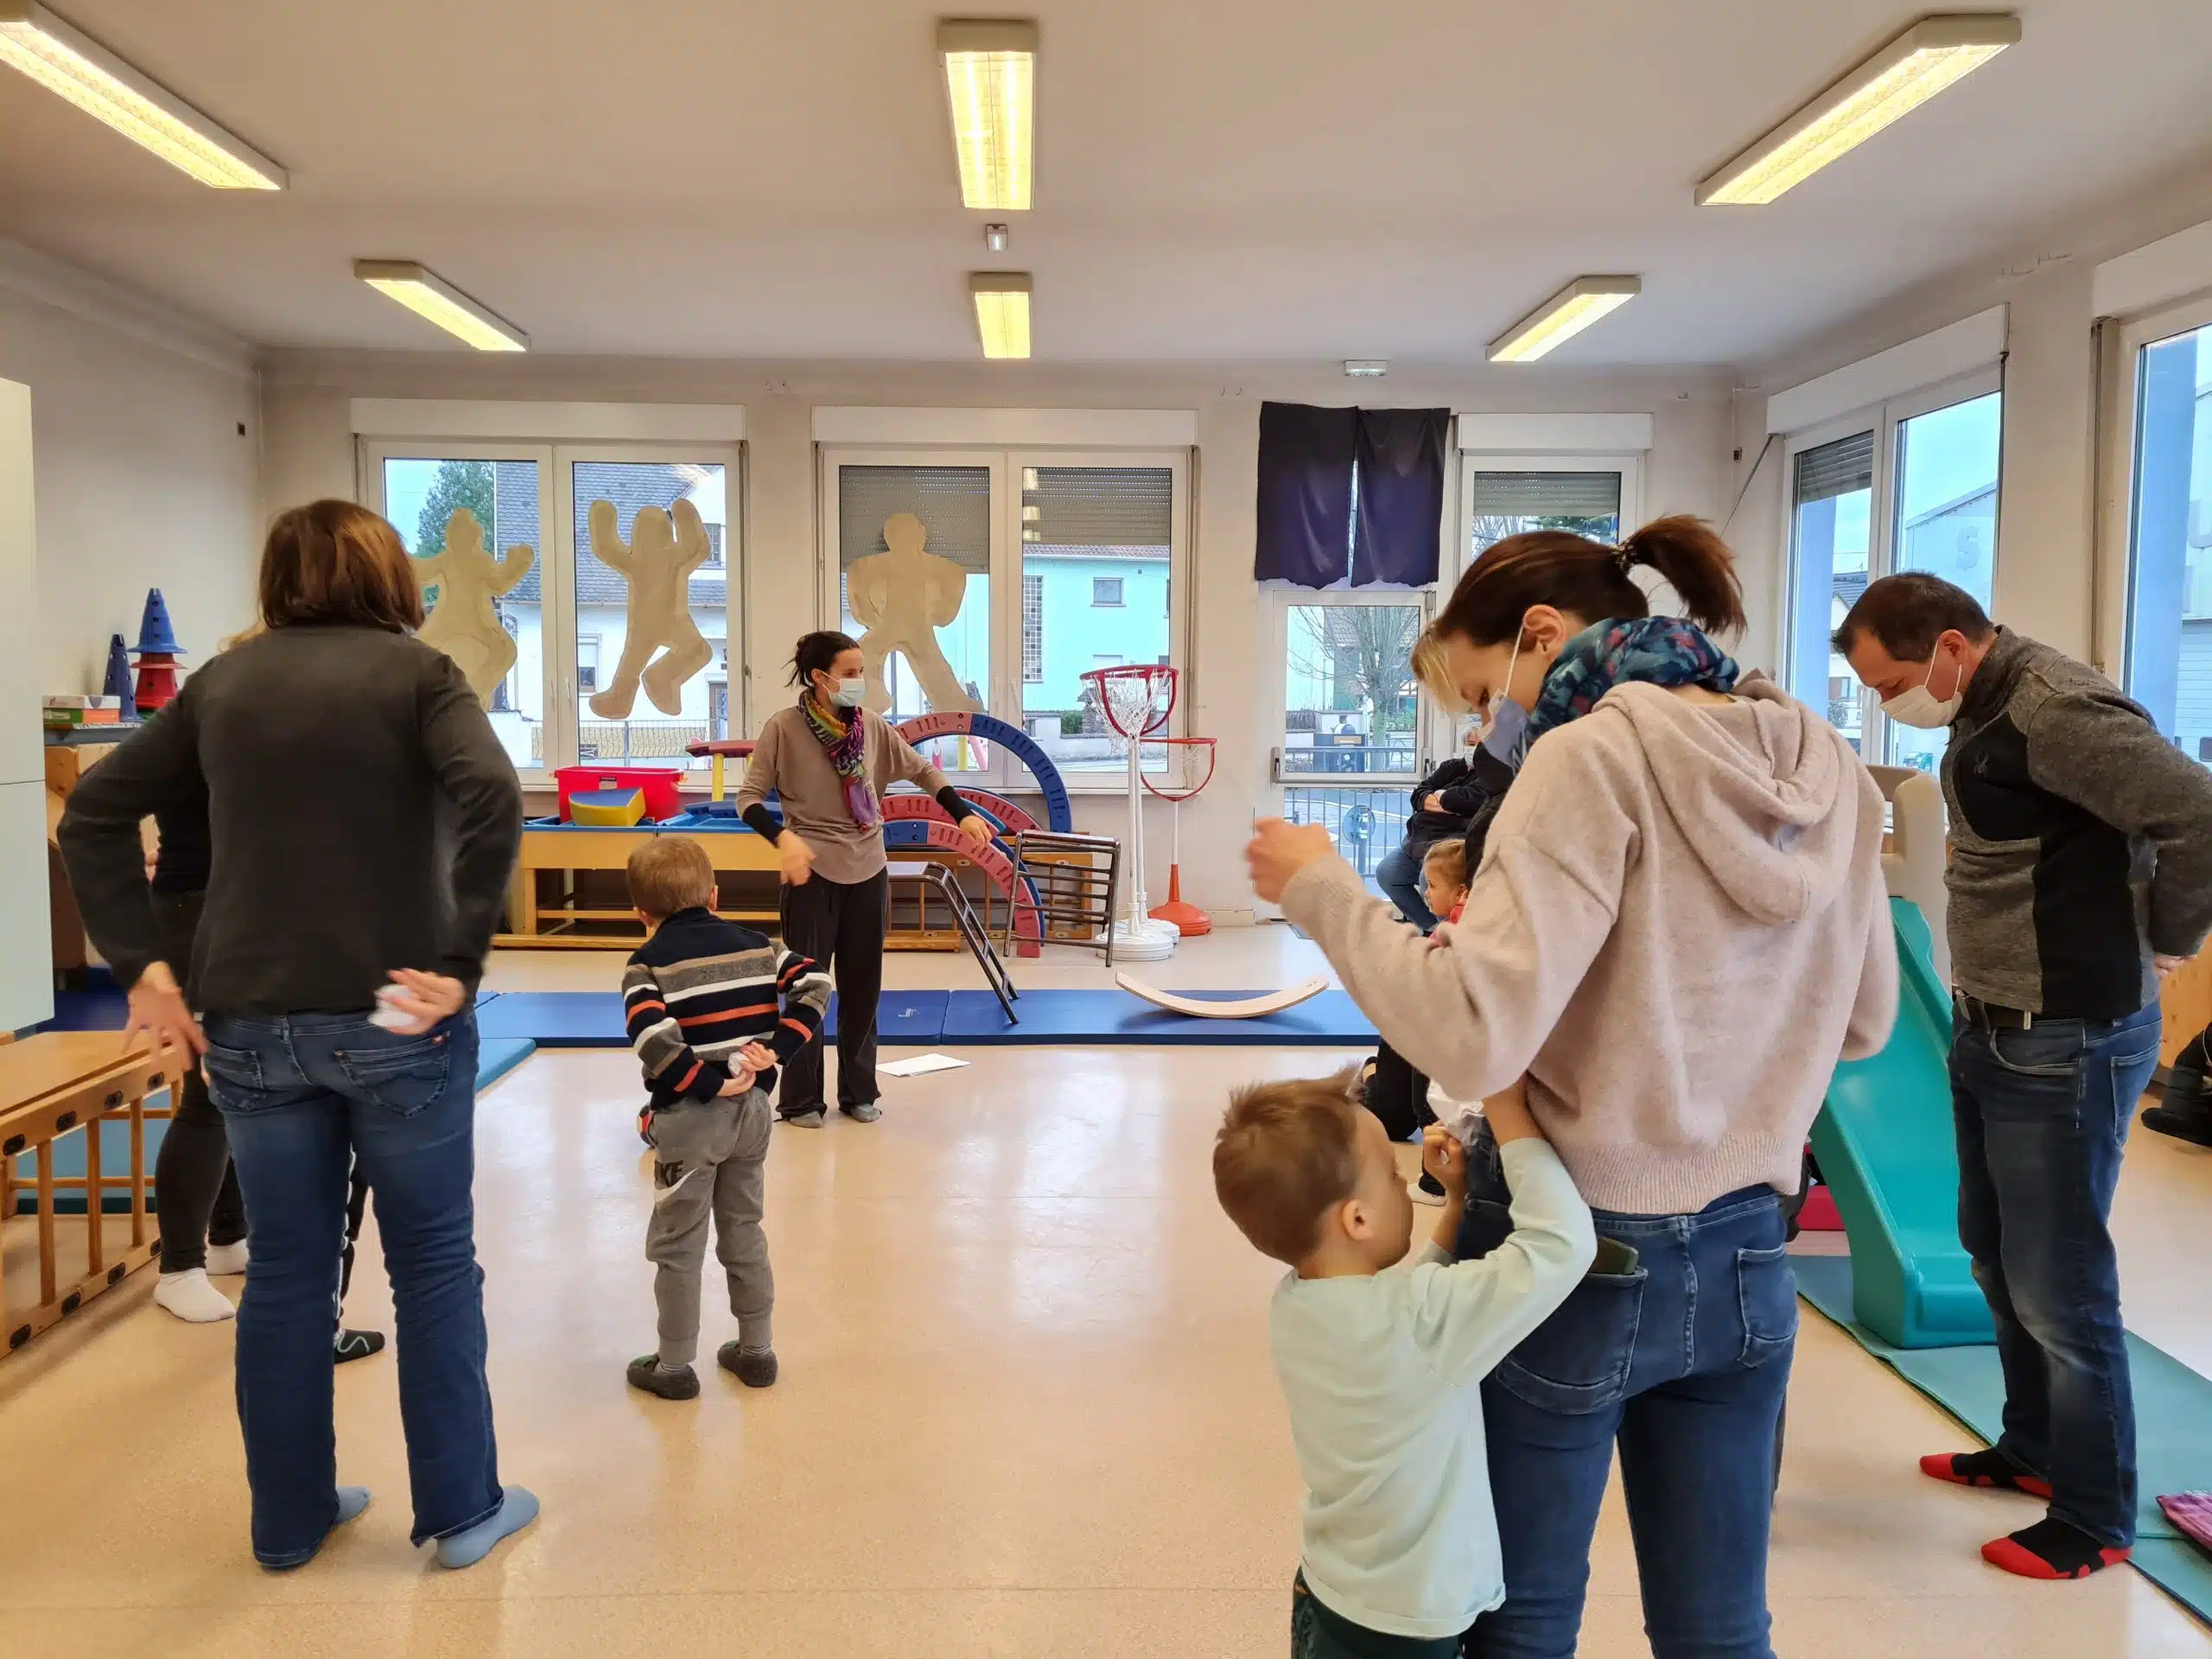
(829, 761)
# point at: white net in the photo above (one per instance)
(1135, 702)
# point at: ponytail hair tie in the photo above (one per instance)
(1625, 559)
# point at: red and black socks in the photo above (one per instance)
(2051, 1549)
(1989, 1467)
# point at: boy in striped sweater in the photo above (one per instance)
(712, 1009)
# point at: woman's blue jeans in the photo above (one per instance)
(301, 1096)
(1683, 1363)
(1399, 875)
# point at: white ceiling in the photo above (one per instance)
(1217, 180)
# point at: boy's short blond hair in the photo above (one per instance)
(668, 873)
(1446, 861)
(1287, 1151)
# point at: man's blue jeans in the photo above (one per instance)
(301, 1096)
(1399, 875)
(2041, 1116)
(1684, 1363)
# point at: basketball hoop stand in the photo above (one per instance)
(1136, 700)
(1188, 920)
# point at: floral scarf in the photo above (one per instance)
(846, 748)
(1653, 650)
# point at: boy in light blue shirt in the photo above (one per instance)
(1382, 1362)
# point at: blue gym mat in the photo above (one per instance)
(495, 1058)
(2173, 1420)
(594, 1020)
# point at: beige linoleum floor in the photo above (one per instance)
(1026, 1409)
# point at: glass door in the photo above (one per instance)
(916, 543)
(651, 559)
(1354, 726)
(473, 513)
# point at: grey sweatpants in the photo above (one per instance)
(710, 1159)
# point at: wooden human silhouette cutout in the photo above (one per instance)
(657, 563)
(902, 596)
(464, 624)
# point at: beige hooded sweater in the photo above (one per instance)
(1679, 927)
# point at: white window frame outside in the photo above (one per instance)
(2114, 559)
(1886, 422)
(1006, 775)
(557, 548)
(1098, 587)
(1288, 598)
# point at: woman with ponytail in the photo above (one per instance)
(1677, 927)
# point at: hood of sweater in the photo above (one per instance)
(1757, 787)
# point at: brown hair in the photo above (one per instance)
(814, 653)
(1589, 580)
(1447, 861)
(333, 561)
(1286, 1151)
(1433, 673)
(668, 873)
(1907, 613)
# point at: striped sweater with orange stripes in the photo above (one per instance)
(703, 987)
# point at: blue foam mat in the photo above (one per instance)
(953, 1019)
(2173, 1420)
(495, 1058)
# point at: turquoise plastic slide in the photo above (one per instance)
(1885, 1148)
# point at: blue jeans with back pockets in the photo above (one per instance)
(1682, 1362)
(2042, 1116)
(302, 1095)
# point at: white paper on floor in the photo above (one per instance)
(920, 1066)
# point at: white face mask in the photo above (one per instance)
(850, 693)
(1921, 707)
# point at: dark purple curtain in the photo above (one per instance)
(1305, 465)
(1399, 454)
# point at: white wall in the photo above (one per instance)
(144, 480)
(309, 452)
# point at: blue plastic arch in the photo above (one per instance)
(1057, 815)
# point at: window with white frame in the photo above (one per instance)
(1910, 485)
(995, 579)
(584, 518)
(2162, 611)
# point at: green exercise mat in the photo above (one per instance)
(2173, 1420)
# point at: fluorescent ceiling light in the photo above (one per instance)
(1895, 81)
(1366, 368)
(1001, 311)
(77, 68)
(991, 77)
(429, 295)
(1564, 315)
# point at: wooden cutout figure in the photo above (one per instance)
(902, 596)
(464, 624)
(657, 564)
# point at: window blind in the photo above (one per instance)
(1837, 468)
(1097, 506)
(953, 503)
(1546, 495)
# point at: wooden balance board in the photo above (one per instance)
(1252, 1007)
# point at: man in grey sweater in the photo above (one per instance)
(2080, 873)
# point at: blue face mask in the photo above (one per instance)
(1504, 736)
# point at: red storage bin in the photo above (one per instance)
(658, 782)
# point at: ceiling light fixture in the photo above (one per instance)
(1001, 311)
(1366, 368)
(73, 65)
(431, 296)
(1897, 79)
(994, 238)
(1564, 315)
(990, 74)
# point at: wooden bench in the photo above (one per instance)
(64, 1083)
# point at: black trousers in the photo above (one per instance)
(195, 1189)
(1397, 1094)
(841, 925)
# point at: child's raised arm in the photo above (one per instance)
(1470, 1315)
